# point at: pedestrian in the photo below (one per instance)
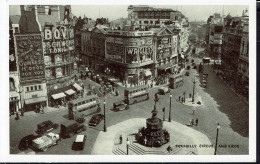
(192, 122)
(89, 86)
(42, 109)
(182, 100)
(22, 111)
(193, 111)
(17, 116)
(197, 121)
(190, 95)
(179, 98)
(120, 139)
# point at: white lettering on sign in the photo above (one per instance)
(58, 32)
(140, 50)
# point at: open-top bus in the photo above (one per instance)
(136, 94)
(84, 106)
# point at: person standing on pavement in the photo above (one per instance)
(197, 121)
(179, 98)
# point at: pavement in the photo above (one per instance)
(180, 136)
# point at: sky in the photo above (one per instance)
(112, 12)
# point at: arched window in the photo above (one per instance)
(11, 84)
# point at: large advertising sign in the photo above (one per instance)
(30, 57)
(139, 50)
(58, 39)
(115, 49)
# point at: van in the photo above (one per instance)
(69, 130)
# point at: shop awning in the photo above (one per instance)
(58, 95)
(165, 66)
(79, 88)
(70, 92)
(35, 100)
(147, 73)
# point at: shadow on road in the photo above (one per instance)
(229, 103)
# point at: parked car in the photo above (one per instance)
(79, 142)
(26, 142)
(44, 142)
(46, 126)
(96, 119)
(71, 128)
(120, 105)
(163, 90)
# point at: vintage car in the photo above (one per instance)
(46, 126)
(163, 90)
(44, 142)
(96, 119)
(26, 142)
(79, 142)
(120, 105)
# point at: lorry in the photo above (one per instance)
(69, 129)
(44, 142)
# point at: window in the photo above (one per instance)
(31, 88)
(40, 87)
(27, 89)
(35, 87)
(11, 83)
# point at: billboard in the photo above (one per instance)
(115, 49)
(30, 57)
(58, 39)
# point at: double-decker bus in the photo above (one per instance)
(84, 106)
(176, 80)
(136, 94)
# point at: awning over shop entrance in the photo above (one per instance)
(147, 73)
(78, 87)
(70, 92)
(165, 66)
(58, 95)
(35, 100)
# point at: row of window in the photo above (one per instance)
(139, 90)
(33, 88)
(93, 106)
(85, 102)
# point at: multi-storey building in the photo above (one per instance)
(50, 69)
(243, 67)
(231, 47)
(144, 16)
(215, 34)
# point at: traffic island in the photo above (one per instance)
(183, 140)
(196, 103)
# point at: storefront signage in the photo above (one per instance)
(139, 50)
(30, 57)
(58, 39)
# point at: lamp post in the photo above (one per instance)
(127, 146)
(170, 108)
(194, 82)
(216, 145)
(105, 128)
(20, 94)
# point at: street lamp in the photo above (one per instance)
(105, 128)
(20, 94)
(218, 127)
(170, 108)
(194, 82)
(127, 145)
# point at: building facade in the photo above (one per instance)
(50, 68)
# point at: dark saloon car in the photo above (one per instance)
(95, 120)
(79, 142)
(163, 90)
(46, 126)
(120, 105)
(26, 141)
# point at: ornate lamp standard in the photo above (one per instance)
(216, 146)
(20, 94)
(127, 145)
(170, 108)
(105, 128)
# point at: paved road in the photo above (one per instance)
(221, 105)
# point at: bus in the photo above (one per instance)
(175, 80)
(136, 94)
(84, 106)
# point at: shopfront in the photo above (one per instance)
(13, 102)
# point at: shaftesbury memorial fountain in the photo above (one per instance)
(153, 135)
